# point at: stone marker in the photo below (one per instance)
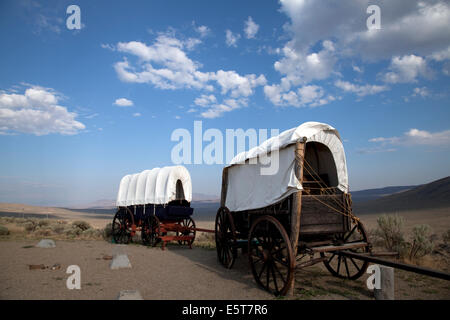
(386, 292)
(46, 243)
(120, 261)
(129, 295)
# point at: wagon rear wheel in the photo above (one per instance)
(188, 225)
(225, 238)
(121, 226)
(150, 231)
(270, 255)
(346, 267)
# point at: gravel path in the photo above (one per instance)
(176, 273)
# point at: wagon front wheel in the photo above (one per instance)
(121, 226)
(150, 231)
(188, 229)
(270, 255)
(347, 267)
(225, 238)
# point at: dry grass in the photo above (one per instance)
(34, 228)
(205, 240)
(13, 228)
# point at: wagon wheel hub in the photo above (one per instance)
(266, 255)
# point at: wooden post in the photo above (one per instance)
(297, 203)
(386, 292)
(223, 195)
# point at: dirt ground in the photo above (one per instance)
(176, 273)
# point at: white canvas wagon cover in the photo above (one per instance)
(249, 189)
(155, 186)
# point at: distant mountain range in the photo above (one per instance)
(432, 195)
(371, 194)
(105, 204)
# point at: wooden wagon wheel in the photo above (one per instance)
(189, 230)
(150, 231)
(225, 238)
(121, 226)
(346, 267)
(270, 255)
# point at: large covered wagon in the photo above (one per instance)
(295, 216)
(155, 203)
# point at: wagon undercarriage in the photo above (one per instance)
(273, 260)
(153, 230)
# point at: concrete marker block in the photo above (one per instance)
(129, 295)
(120, 261)
(386, 292)
(46, 243)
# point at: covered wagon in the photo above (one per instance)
(155, 203)
(297, 216)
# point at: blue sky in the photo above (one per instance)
(81, 108)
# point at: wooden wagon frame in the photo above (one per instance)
(307, 227)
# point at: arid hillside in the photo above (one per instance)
(432, 195)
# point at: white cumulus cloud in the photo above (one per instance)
(360, 90)
(237, 85)
(417, 137)
(251, 28)
(231, 39)
(309, 95)
(123, 102)
(36, 111)
(205, 100)
(406, 26)
(166, 65)
(202, 30)
(406, 69)
(421, 92)
(228, 105)
(411, 34)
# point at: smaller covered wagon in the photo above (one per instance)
(155, 203)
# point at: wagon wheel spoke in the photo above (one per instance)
(354, 263)
(278, 270)
(258, 259)
(350, 233)
(280, 261)
(332, 257)
(262, 270)
(274, 277)
(279, 250)
(346, 267)
(339, 264)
